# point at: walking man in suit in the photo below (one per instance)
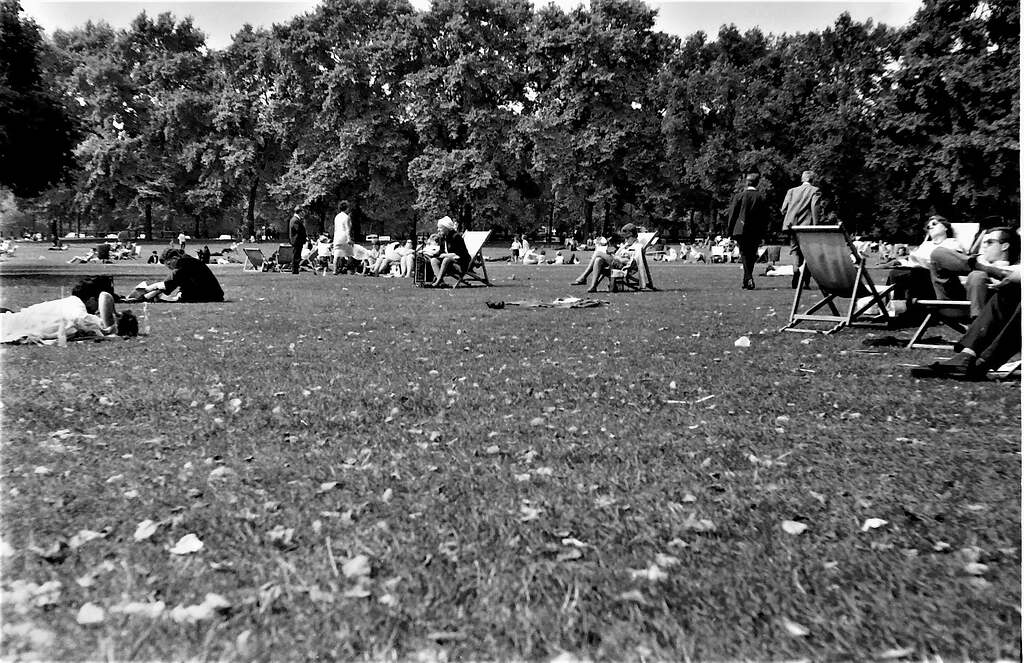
(297, 238)
(748, 222)
(801, 207)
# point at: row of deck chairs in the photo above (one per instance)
(840, 271)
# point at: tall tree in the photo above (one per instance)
(37, 131)
(951, 124)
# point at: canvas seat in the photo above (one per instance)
(831, 259)
(629, 277)
(254, 260)
(952, 314)
(477, 270)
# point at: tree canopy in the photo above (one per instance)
(509, 115)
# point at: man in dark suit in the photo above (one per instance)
(748, 222)
(801, 207)
(297, 238)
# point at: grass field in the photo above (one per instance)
(381, 472)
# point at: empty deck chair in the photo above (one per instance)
(477, 270)
(831, 259)
(254, 260)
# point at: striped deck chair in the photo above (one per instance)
(831, 259)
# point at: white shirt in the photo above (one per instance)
(342, 230)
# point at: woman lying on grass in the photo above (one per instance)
(88, 312)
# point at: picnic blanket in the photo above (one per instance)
(561, 302)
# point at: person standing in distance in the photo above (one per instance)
(297, 238)
(801, 207)
(748, 221)
(342, 239)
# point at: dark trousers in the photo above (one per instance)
(795, 251)
(296, 257)
(748, 254)
(995, 335)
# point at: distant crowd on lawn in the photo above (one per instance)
(983, 271)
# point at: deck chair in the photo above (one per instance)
(284, 256)
(629, 276)
(952, 314)
(253, 260)
(718, 254)
(831, 259)
(477, 271)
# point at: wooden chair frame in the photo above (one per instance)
(628, 276)
(475, 240)
(840, 272)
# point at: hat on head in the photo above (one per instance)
(446, 222)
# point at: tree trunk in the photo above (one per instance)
(250, 210)
(588, 218)
(195, 229)
(356, 215)
(148, 223)
(78, 222)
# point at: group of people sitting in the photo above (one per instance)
(986, 274)
(89, 311)
(107, 252)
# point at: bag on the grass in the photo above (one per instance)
(127, 325)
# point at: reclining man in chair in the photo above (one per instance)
(602, 263)
(992, 339)
(1000, 250)
(454, 255)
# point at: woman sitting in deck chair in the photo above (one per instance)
(454, 256)
(602, 263)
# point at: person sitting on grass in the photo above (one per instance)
(88, 257)
(190, 281)
(405, 259)
(992, 339)
(602, 263)
(324, 251)
(532, 257)
(454, 257)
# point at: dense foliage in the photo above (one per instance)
(526, 118)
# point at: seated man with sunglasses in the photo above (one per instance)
(1000, 250)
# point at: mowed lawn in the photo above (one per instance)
(377, 472)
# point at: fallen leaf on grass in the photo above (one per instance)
(569, 555)
(698, 524)
(83, 537)
(666, 561)
(873, 523)
(222, 473)
(140, 609)
(55, 553)
(186, 545)
(356, 567)
(90, 614)
(633, 595)
(896, 652)
(327, 486)
(975, 568)
(793, 527)
(742, 342)
(653, 573)
(941, 546)
(528, 513)
(359, 591)
(145, 529)
(794, 629)
(211, 605)
(281, 536)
